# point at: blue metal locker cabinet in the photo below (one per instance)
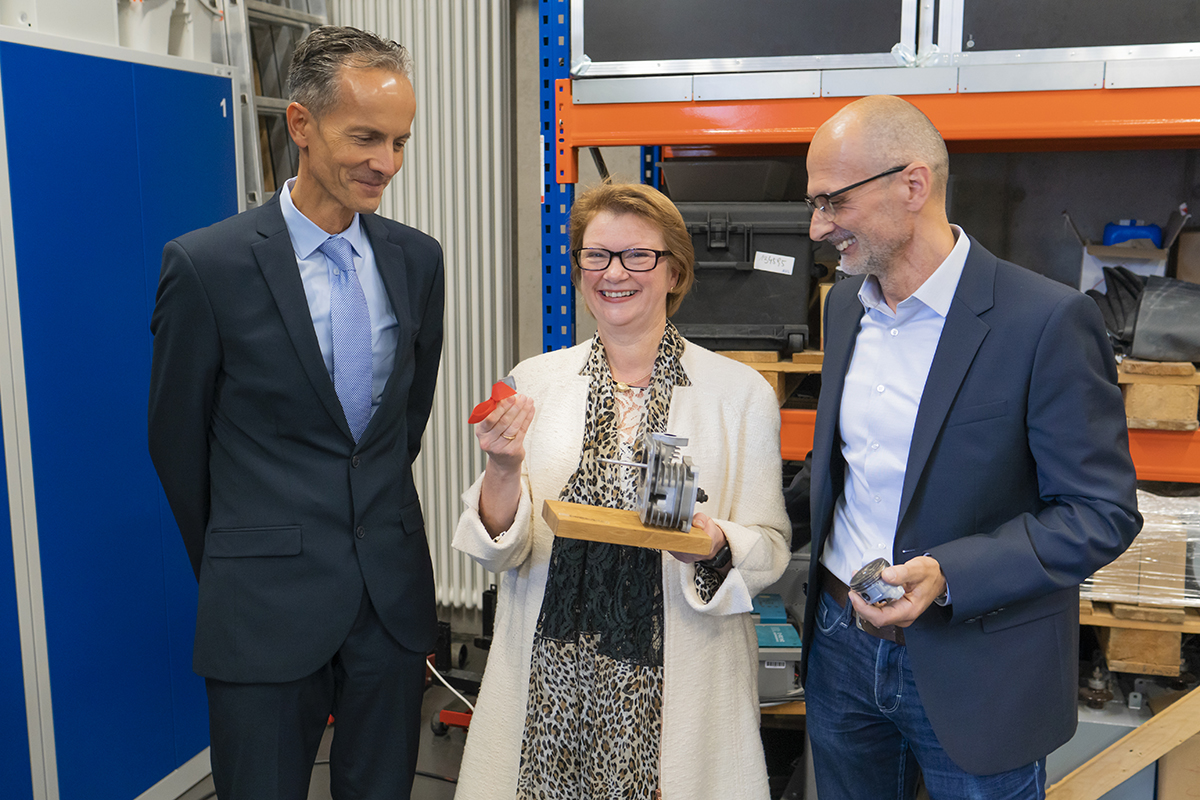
(110, 154)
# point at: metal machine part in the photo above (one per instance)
(872, 587)
(1097, 692)
(667, 489)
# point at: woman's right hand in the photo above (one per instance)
(502, 433)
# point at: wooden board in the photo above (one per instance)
(784, 376)
(1161, 406)
(1133, 752)
(1141, 651)
(1141, 423)
(618, 526)
(751, 356)
(1148, 613)
(1101, 615)
(1136, 366)
(794, 708)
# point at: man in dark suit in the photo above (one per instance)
(296, 348)
(970, 432)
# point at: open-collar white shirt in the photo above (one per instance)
(884, 383)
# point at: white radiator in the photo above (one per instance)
(456, 185)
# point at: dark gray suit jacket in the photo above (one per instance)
(1020, 484)
(284, 517)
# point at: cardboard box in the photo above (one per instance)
(1138, 256)
(1179, 771)
(1154, 570)
(1117, 582)
(1141, 260)
(1187, 261)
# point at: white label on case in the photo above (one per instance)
(773, 262)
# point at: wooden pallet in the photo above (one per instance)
(784, 376)
(1140, 638)
(1159, 395)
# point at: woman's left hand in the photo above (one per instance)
(706, 524)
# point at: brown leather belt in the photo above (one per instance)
(840, 592)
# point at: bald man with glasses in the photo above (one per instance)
(969, 432)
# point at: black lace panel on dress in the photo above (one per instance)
(614, 591)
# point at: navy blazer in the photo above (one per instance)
(284, 517)
(1019, 483)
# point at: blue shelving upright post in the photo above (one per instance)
(651, 171)
(558, 295)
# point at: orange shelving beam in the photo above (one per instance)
(1157, 455)
(796, 433)
(1166, 455)
(1088, 118)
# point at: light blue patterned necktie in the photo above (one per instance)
(351, 324)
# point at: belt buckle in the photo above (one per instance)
(858, 620)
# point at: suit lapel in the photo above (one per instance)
(961, 337)
(390, 262)
(841, 331)
(277, 262)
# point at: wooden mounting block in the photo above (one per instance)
(619, 526)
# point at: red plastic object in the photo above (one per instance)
(455, 719)
(500, 390)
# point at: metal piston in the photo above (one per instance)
(667, 488)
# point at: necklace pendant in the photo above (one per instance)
(621, 387)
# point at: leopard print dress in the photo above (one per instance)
(594, 715)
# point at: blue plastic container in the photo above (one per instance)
(1127, 229)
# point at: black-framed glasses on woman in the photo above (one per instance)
(635, 259)
(824, 202)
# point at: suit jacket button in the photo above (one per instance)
(354, 461)
(360, 531)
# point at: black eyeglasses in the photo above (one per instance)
(635, 259)
(824, 202)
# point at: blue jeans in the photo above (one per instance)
(868, 730)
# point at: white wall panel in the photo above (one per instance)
(456, 185)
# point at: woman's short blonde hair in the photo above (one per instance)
(652, 206)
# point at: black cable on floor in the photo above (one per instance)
(443, 778)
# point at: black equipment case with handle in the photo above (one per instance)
(732, 305)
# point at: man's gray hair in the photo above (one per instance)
(312, 76)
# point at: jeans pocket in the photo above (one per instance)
(830, 615)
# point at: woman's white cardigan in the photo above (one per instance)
(710, 746)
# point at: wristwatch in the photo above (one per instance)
(723, 557)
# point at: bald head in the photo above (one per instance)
(881, 132)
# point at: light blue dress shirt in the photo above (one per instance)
(884, 383)
(306, 237)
